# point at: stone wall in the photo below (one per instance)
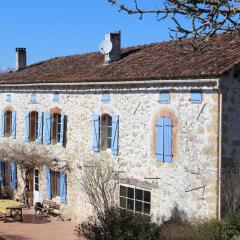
(187, 187)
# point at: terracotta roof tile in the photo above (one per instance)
(154, 61)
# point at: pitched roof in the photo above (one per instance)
(154, 61)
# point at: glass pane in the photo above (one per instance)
(36, 172)
(139, 194)
(130, 193)
(109, 132)
(139, 206)
(36, 180)
(123, 191)
(36, 187)
(147, 208)
(147, 196)
(130, 204)
(123, 202)
(109, 143)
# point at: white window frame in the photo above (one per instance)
(134, 200)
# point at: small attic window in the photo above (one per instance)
(56, 97)
(34, 98)
(105, 97)
(196, 97)
(9, 98)
(164, 97)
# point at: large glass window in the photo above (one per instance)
(56, 128)
(33, 126)
(135, 199)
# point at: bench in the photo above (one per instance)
(47, 207)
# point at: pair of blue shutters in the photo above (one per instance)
(96, 133)
(47, 128)
(13, 127)
(2, 176)
(13, 180)
(164, 139)
(63, 185)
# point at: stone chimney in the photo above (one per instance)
(21, 58)
(115, 53)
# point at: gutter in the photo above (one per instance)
(220, 156)
(185, 81)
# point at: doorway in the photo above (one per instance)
(36, 186)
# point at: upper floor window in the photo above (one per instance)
(56, 97)
(196, 97)
(8, 128)
(164, 127)
(105, 97)
(164, 97)
(105, 133)
(56, 128)
(8, 125)
(135, 199)
(33, 126)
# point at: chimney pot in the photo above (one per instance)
(21, 58)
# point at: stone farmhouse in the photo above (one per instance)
(167, 120)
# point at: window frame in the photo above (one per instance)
(55, 184)
(56, 123)
(135, 200)
(8, 123)
(196, 101)
(106, 132)
(33, 126)
(164, 93)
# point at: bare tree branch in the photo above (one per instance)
(198, 20)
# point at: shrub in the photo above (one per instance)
(118, 224)
(226, 229)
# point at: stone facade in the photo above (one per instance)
(188, 186)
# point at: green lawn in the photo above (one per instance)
(7, 203)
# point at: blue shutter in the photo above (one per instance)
(48, 181)
(105, 97)
(56, 97)
(159, 139)
(27, 121)
(115, 134)
(63, 187)
(3, 124)
(47, 129)
(62, 129)
(13, 175)
(196, 97)
(40, 127)
(164, 97)
(2, 177)
(13, 130)
(33, 98)
(167, 140)
(96, 132)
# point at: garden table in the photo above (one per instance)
(14, 212)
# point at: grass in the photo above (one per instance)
(7, 203)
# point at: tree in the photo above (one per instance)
(99, 182)
(197, 20)
(28, 157)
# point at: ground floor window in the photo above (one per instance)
(36, 180)
(135, 199)
(55, 184)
